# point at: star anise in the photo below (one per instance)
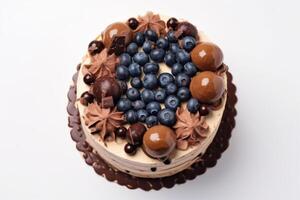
(102, 64)
(190, 128)
(103, 120)
(151, 21)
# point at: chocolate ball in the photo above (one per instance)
(159, 141)
(207, 87)
(207, 56)
(105, 87)
(116, 29)
(135, 134)
(187, 29)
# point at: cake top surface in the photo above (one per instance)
(152, 89)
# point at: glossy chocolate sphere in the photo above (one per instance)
(159, 141)
(207, 87)
(187, 29)
(207, 56)
(135, 134)
(105, 87)
(116, 29)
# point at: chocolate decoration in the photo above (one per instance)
(207, 87)
(117, 46)
(116, 30)
(203, 110)
(207, 56)
(186, 29)
(172, 23)
(89, 79)
(95, 47)
(105, 87)
(133, 23)
(135, 134)
(107, 102)
(86, 98)
(121, 132)
(159, 142)
(208, 160)
(130, 149)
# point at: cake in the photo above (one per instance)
(150, 95)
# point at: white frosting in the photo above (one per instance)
(140, 164)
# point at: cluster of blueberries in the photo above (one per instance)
(144, 98)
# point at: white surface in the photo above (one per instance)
(41, 43)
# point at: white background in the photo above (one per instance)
(42, 42)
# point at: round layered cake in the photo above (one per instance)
(151, 92)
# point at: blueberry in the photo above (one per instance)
(122, 72)
(138, 104)
(166, 117)
(151, 121)
(151, 35)
(162, 43)
(132, 48)
(188, 43)
(134, 70)
(183, 57)
(147, 95)
(190, 69)
(174, 47)
(176, 69)
(157, 55)
(150, 81)
(160, 95)
(171, 88)
(193, 105)
(133, 94)
(153, 108)
(125, 59)
(139, 38)
(136, 82)
(171, 36)
(182, 80)
(164, 79)
(142, 115)
(170, 59)
(124, 105)
(131, 116)
(172, 102)
(141, 58)
(148, 46)
(183, 94)
(151, 68)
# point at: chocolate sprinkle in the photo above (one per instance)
(209, 159)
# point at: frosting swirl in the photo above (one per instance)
(103, 120)
(102, 64)
(151, 21)
(190, 128)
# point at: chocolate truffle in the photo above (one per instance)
(207, 56)
(207, 87)
(135, 134)
(159, 141)
(105, 87)
(116, 29)
(187, 29)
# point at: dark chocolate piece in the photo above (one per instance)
(95, 47)
(107, 102)
(117, 46)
